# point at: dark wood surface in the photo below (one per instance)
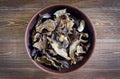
(14, 61)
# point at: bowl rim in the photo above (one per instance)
(26, 37)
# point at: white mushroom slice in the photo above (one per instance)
(72, 50)
(81, 26)
(59, 12)
(46, 15)
(79, 50)
(60, 51)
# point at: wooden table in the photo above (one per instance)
(14, 61)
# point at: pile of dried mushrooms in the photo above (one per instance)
(59, 41)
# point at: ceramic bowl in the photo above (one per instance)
(77, 13)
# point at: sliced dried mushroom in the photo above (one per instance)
(41, 44)
(81, 26)
(40, 19)
(60, 12)
(85, 35)
(42, 60)
(48, 25)
(70, 24)
(46, 61)
(60, 51)
(82, 40)
(36, 36)
(38, 45)
(72, 50)
(80, 50)
(46, 15)
(38, 28)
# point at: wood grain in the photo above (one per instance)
(14, 61)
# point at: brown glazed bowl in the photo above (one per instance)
(77, 14)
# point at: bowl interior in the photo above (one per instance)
(77, 14)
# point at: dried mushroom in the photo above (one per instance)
(60, 12)
(79, 50)
(38, 45)
(60, 51)
(72, 50)
(36, 36)
(49, 25)
(47, 15)
(59, 41)
(81, 26)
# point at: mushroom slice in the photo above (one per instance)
(60, 51)
(48, 25)
(72, 50)
(79, 50)
(60, 12)
(38, 45)
(81, 26)
(36, 36)
(39, 28)
(85, 35)
(42, 60)
(41, 44)
(70, 24)
(46, 61)
(80, 38)
(41, 17)
(46, 15)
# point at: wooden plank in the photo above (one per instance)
(105, 23)
(28, 73)
(41, 3)
(105, 56)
